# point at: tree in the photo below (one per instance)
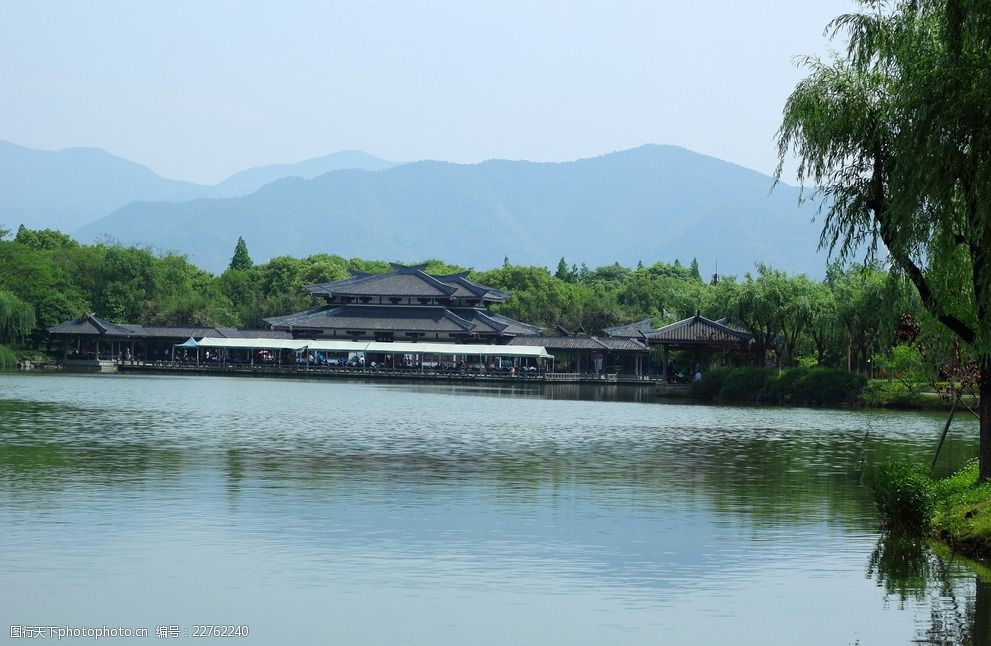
(44, 239)
(694, 270)
(898, 136)
(241, 261)
(16, 319)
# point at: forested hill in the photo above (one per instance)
(648, 202)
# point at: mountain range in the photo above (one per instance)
(648, 203)
(68, 189)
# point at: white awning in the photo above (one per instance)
(251, 344)
(334, 345)
(469, 349)
(399, 347)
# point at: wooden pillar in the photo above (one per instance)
(664, 365)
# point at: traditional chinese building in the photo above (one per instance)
(405, 304)
(697, 337)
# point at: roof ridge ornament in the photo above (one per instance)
(401, 268)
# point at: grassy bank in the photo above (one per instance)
(962, 516)
(883, 394)
(813, 386)
(955, 510)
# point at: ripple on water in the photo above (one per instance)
(607, 521)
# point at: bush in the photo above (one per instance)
(708, 389)
(827, 385)
(745, 384)
(905, 496)
(795, 386)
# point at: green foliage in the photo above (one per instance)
(44, 239)
(815, 386)
(896, 135)
(793, 316)
(128, 282)
(903, 364)
(8, 359)
(963, 515)
(819, 386)
(742, 384)
(16, 319)
(241, 261)
(905, 496)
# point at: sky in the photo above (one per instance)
(198, 90)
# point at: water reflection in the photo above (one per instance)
(959, 601)
(570, 520)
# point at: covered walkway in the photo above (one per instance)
(324, 354)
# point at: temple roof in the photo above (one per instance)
(633, 330)
(486, 320)
(596, 344)
(92, 325)
(407, 281)
(403, 319)
(372, 317)
(695, 330)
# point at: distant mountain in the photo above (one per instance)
(649, 203)
(250, 180)
(68, 189)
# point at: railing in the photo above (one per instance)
(387, 372)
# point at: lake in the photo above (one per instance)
(364, 513)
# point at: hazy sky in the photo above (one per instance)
(200, 89)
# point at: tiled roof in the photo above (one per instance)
(403, 318)
(633, 329)
(234, 333)
(513, 326)
(92, 325)
(693, 330)
(467, 288)
(410, 282)
(595, 344)
(180, 332)
(376, 317)
(699, 330)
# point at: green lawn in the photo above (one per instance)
(963, 513)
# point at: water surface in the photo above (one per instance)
(332, 512)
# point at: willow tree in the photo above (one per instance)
(896, 137)
(16, 319)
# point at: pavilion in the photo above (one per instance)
(698, 335)
(591, 354)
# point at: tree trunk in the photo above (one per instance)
(982, 613)
(984, 408)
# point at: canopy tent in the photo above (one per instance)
(188, 343)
